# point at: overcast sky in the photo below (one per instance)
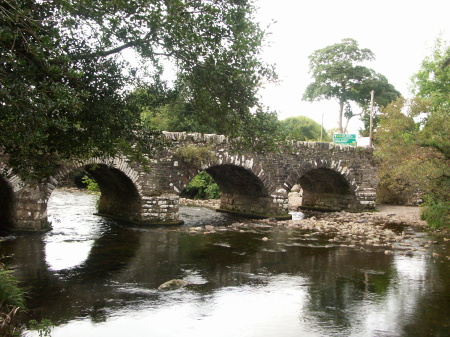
(399, 32)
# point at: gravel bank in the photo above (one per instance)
(390, 228)
(407, 214)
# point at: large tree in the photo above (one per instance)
(64, 90)
(338, 73)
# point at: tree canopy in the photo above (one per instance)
(65, 90)
(338, 72)
(303, 128)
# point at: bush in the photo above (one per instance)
(12, 300)
(202, 186)
(195, 155)
(12, 304)
(437, 214)
(91, 184)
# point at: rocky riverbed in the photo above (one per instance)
(391, 228)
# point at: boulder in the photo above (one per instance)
(172, 285)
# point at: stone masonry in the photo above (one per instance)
(332, 177)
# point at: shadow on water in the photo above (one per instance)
(266, 281)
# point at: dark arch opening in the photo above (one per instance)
(242, 192)
(119, 196)
(235, 179)
(325, 189)
(6, 205)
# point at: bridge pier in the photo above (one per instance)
(274, 206)
(160, 210)
(259, 207)
(30, 209)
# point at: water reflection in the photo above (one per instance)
(94, 277)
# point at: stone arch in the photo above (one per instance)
(228, 163)
(243, 191)
(7, 205)
(118, 183)
(325, 185)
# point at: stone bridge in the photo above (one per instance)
(332, 177)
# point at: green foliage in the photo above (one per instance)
(44, 327)
(12, 303)
(11, 294)
(195, 155)
(436, 213)
(413, 140)
(202, 186)
(338, 73)
(91, 184)
(172, 114)
(258, 131)
(64, 92)
(12, 300)
(432, 81)
(303, 129)
(404, 166)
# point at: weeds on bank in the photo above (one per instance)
(12, 305)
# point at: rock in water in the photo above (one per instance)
(172, 285)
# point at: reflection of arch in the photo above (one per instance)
(109, 255)
(6, 205)
(325, 186)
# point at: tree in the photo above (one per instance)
(338, 73)
(302, 128)
(398, 152)
(413, 139)
(65, 87)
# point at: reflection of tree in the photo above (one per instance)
(225, 259)
(432, 310)
(344, 286)
(340, 277)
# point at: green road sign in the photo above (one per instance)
(345, 138)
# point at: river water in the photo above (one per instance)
(96, 277)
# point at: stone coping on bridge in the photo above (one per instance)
(206, 138)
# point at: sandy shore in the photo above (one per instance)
(406, 214)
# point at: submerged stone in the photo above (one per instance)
(172, 285)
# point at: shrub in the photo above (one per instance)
(12, 299)
(91, 184)
(202, 186)
(195, 155)
(437, 214)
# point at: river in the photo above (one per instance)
(96, 277)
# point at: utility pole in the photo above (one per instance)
(372, 94)
(321, 129)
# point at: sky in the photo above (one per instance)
(399, 32)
